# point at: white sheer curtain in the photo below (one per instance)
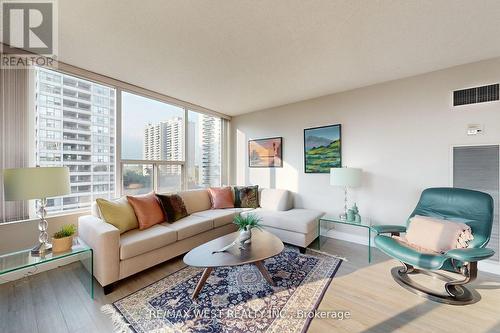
(14, 135)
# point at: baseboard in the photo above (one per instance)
(484, 266)
(492, 267)
(345, 236)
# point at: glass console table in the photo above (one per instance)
(363, 224)
(21, 260)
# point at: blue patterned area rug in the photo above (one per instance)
(234, 299)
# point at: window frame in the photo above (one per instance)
(62, 69)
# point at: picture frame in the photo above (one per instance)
(265, 153)
(322, 148)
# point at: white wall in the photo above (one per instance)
(22, 235)
(399, 132)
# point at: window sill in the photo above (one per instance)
(50, 216)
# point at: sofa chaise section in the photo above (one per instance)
(296, 226)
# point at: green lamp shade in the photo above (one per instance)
(35, 183)
(347, 177)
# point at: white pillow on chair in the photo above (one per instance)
(438, 235)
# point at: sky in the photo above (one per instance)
(137, 112)
(325, 132)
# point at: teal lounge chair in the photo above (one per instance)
(471, 207)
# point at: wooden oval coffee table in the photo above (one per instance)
(264, 245)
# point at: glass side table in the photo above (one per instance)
(363, 224)
(16, 261)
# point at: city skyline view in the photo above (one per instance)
(75, 127)
(137, 113)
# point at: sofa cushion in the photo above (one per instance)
(274, 199)
(173, 207)
(219, 216)
(136, 242)
(196, 200)
(296, 220)
(147, 208)
(118, 213)
(246, 196)
(221, 197)
(190, 226)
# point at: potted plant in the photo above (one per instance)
(63, 239)
(245, 225)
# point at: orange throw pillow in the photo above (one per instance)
(221, 197)
(147, 209)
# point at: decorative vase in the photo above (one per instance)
(245, 237)
(350, 215)
(357, 217)
(62, 244)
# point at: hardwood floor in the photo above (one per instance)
(57, 301)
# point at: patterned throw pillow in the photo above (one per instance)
(246, 196)
(173, 206)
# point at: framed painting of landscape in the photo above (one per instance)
(265, 153)
(322, 148)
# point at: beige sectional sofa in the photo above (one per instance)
(119, 256)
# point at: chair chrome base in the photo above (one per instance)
(455, 291)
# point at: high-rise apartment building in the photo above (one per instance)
(75, 127)
(164, 140)
(210, 128)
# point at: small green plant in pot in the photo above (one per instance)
(63, 239)
(245, 225)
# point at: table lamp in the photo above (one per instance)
(37, 183)
(345, 177)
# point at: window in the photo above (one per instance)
(49, 76)
(101, 110)
(151, 131)
(49, 88)
(155, 140)
(49, 145)
(100, 100)
(101, 120)
(204, 150)
(49, 134)
(100, 130)
(100, 90)
(169, 178)
(45, 100)
(477, 168)
(137, 178)
(49, 123)
(65, 117)
(49, 111)
(163, 147)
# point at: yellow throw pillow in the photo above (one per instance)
(118, 213)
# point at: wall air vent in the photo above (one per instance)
(476, 95)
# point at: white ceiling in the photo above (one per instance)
(236, 56)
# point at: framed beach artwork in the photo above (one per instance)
(265, 153)
(322, 148)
